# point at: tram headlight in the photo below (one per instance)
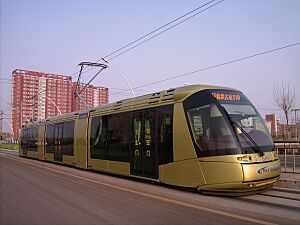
(245, 158)
(251, 185)
(275, 155)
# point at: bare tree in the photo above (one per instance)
(284, 97)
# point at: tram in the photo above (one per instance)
(204, 137)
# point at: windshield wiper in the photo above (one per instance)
(254, 145)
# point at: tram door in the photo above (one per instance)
(143, 154)
(58, 136)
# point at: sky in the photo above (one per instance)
(54, 36)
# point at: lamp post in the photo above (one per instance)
(20, 111)
(124, 77)
(296, 126)
(48, 98)
(54, 104)
(10, 126)
(21, 115)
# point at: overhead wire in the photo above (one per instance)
(152, 32)
(109, 56)
(217, 65)
(165, 30)
(157, 29)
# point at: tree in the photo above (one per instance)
(284, 97)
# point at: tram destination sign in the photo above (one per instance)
(228, 96)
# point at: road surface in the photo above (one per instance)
(35, 192)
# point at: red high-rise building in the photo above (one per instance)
(93, 96)
(51, 94)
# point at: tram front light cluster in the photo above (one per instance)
(251, 185)
(245, 158)
(275, 155)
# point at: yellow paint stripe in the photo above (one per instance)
(248, 219)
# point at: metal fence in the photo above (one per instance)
(289, 154)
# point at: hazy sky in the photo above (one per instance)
(55, 35)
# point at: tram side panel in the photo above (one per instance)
(22, 143)
(80, 140)
(185, 170)
(49, 142)
(41, 142)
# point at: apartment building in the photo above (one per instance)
(38, 95)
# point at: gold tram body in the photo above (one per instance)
(238, 173)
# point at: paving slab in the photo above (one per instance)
(289, 180)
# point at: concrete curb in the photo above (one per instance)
(289, 180)
(11, 150)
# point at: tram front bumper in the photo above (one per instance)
(261, 171)
(256, 177)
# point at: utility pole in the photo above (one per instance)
(21, 114)
(296, 125)
(1, 116)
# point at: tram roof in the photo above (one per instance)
(165, 97)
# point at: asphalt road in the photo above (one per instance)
(35, 192)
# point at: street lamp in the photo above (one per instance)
(48, 98)
(10, 126)
(20, 111)
(124, 77)
(21, 117)
(296, 110)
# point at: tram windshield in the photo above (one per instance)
(225, 122)
(248, 125)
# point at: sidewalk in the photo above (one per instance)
(289, 180)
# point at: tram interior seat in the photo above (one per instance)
(223, 142)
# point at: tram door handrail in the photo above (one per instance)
(288, 148)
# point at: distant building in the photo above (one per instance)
(269, 126)
(282, 131)
(273, 122)
(291, 131)
(50, 94)
(6, 137)
(92, 95)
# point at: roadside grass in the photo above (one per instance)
(14, 147)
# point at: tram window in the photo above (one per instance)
(23, 139)
(35, 139)
(98, 140)
(118, 133)
(165, 134)
(29, 139)
(50, 138)
(32, 139)
(68, 138)
(209, 128)
(110, 137)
